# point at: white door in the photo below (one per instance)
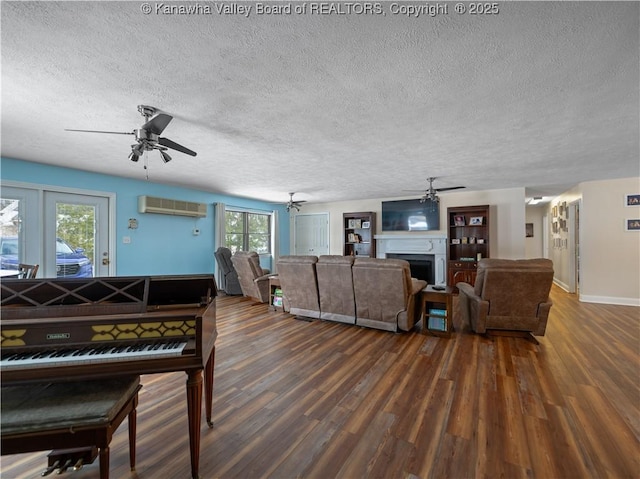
(19, 230)
(311, 234)
(76, 235)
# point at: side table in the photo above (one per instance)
(274, 284)
(437, 311)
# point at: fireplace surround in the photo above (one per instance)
(420, 249)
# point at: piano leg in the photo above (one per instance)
(104, 463)
(208, 385)
(194, 411)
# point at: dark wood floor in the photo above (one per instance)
(323, 400)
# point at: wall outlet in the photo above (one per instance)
(126, 239)
(196, 231)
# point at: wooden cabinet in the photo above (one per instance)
(467, 242)
(358, 231)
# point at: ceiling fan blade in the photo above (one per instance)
(450, 188)
(158, 123)
(98, 131)
(175, 146)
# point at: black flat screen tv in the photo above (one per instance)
(410, 215)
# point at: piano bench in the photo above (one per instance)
(61, 415)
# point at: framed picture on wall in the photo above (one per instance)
(632, 225)
(632, 200)
(528, 230)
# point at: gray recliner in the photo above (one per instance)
(231, 284)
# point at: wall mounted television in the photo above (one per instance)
(410, 215)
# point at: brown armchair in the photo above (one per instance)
(509, 295)
(254, 280)
(386, 295)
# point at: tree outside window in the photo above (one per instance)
(246, 231)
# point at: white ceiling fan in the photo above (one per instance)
(148, 135)
(430, 194)
(293, 205)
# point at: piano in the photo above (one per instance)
(63, 329)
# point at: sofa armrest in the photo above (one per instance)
(473, 308)
(543, 315)
(264, 277)
(417, 285)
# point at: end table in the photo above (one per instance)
(437, 311)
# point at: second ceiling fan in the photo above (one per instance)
(431, 193)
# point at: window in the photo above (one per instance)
(246, 231)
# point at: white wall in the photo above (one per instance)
(610, 255)
(507, 218)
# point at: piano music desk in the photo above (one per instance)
(62, 415)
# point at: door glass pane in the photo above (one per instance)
(10, 250)
(75, 240)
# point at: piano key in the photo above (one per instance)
(69, 357)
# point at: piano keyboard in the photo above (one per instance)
(92, 355)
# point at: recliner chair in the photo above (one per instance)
(508, 295)
(231, 284)
(386, 295)
(299, 285)
(335, 288)
(254, 280)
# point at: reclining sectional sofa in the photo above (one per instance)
(372, 292)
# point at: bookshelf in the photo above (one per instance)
(358, 232)
(467, 242)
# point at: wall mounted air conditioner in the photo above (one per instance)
(164, 206)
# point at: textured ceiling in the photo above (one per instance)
(331, 106)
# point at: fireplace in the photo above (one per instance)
(417, 248)
(421, 265)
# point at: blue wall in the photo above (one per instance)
(162, 244)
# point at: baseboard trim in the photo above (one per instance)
(562, 285)
(609, 300)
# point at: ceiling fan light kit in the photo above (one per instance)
(148, 136)
(431, 193)
(293, 205)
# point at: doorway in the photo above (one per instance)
(574, 245)
(66, 233)
(311, 234)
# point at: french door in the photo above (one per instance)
(67, 234)
(76, 232)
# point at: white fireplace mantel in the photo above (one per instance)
(435, 245)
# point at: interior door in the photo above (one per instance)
(76, 235)
(311, 234)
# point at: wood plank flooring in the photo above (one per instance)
(323, 400)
